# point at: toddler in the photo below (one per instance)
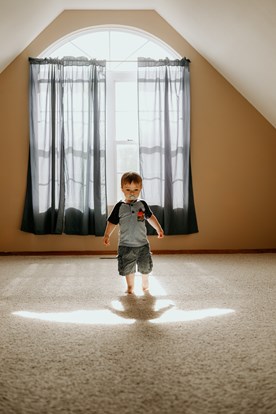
(134, 248)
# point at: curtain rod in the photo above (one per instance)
(115, 60)
(140, 60)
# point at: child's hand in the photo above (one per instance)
(106, 240)
(160, 234)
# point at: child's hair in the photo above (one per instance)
(129, 177)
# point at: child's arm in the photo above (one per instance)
(156, 225)
(108, 231)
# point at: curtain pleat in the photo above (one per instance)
(164, 143)
(66, 184)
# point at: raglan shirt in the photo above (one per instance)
(131, 219)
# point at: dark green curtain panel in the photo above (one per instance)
(164, 143)
(66, 184)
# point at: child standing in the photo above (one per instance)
(131, 214)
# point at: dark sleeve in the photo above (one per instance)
(114, 215)
(148, 212)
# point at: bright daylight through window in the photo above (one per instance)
(120, 47)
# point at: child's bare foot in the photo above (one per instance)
(130, 283)
(145, 283)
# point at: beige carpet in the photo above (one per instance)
(202, 342)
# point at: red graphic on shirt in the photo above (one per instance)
(141, 215)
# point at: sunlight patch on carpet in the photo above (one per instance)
(93, 317)
(178, 315)
(129, 309)
(106, 317)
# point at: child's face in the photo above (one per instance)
(131, 191)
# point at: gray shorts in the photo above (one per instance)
(129, 257)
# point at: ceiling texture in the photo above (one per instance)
(237, 37)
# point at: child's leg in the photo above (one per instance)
(127, 266)
(145, 266)
(130, 282)
(145, 282)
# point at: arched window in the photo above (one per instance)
(90, 95)
(120, 47)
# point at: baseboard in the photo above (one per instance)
(157, 252)
(215, 251)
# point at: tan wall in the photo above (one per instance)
(233, 151)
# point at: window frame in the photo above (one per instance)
(113, 75)
(113, 192)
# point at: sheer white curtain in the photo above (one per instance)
(164, 142)
(66, 189)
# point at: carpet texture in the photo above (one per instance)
(203, 341)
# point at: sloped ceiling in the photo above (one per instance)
(238, 37)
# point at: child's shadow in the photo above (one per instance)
(141, 308)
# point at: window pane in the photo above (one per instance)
(126, 123)
(127, 158)
(126, 126)
(126, 96)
